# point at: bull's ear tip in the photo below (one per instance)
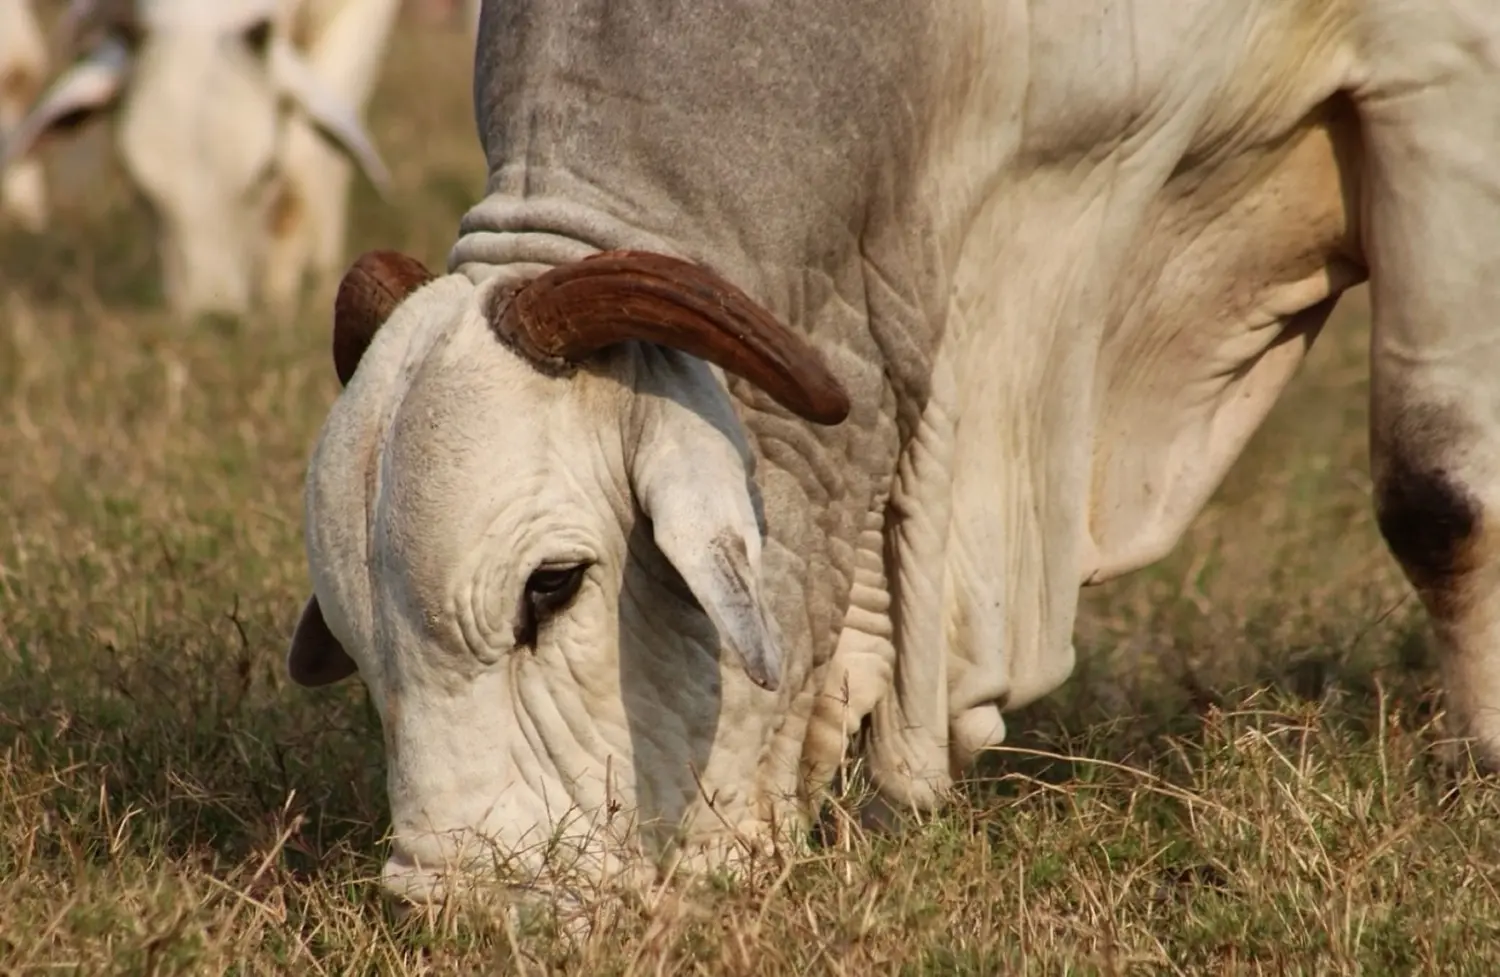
(316, 658)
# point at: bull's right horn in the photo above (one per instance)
(577, 309)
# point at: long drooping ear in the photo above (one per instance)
(83, 91)
(370, 291)
(575, 310)
(708, 530)
(316, 657)
(295, 78)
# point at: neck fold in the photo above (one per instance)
(508, 234)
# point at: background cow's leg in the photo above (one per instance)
(1432, 124)
(307, 221)
(23, 194)
(23, 185)
(344, 52)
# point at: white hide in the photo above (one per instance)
(250, 196)
(1064, 258)
(23, 69)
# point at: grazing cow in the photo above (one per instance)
(237, 121)
(464, 12)
(23, 68)
(998, 292)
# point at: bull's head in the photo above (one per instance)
(532, 527)
(199, 89)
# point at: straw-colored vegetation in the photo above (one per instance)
(1242, 776)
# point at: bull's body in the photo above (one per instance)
(1063, 258)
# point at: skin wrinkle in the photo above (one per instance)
(1239, 196)
(470, 610)
(859, 671)
(589, 732)
(787, 445)
(586, 731)
(547, 709)
(502, 581)
(535, 763)
(610, 224)
(903, 764)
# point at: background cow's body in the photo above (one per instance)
(237, 123)
(1064, 258)
(23, 69)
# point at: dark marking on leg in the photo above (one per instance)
(1428, 517)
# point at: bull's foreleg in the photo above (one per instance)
(1436, 476)
(1431, 116)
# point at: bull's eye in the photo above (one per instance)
(555, 582)
(548, 591)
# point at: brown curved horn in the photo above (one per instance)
(374, 285)
(577, 309)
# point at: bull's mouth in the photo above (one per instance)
(409, 881)
(414, 891)
(410, 885)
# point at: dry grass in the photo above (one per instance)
(1238, 780)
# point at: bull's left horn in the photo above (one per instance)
(374, 285)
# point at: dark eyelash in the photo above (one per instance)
(548, 590)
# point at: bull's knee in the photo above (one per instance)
(1434, 514)
(1431, 521)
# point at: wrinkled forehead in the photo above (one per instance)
(478, 440)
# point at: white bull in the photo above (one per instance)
(23, 69)
(1012, 285)
(249, 197)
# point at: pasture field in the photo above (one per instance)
(1242, 777)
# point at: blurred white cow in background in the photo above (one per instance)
(237, 121)
(464, 13)
(23, 69)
